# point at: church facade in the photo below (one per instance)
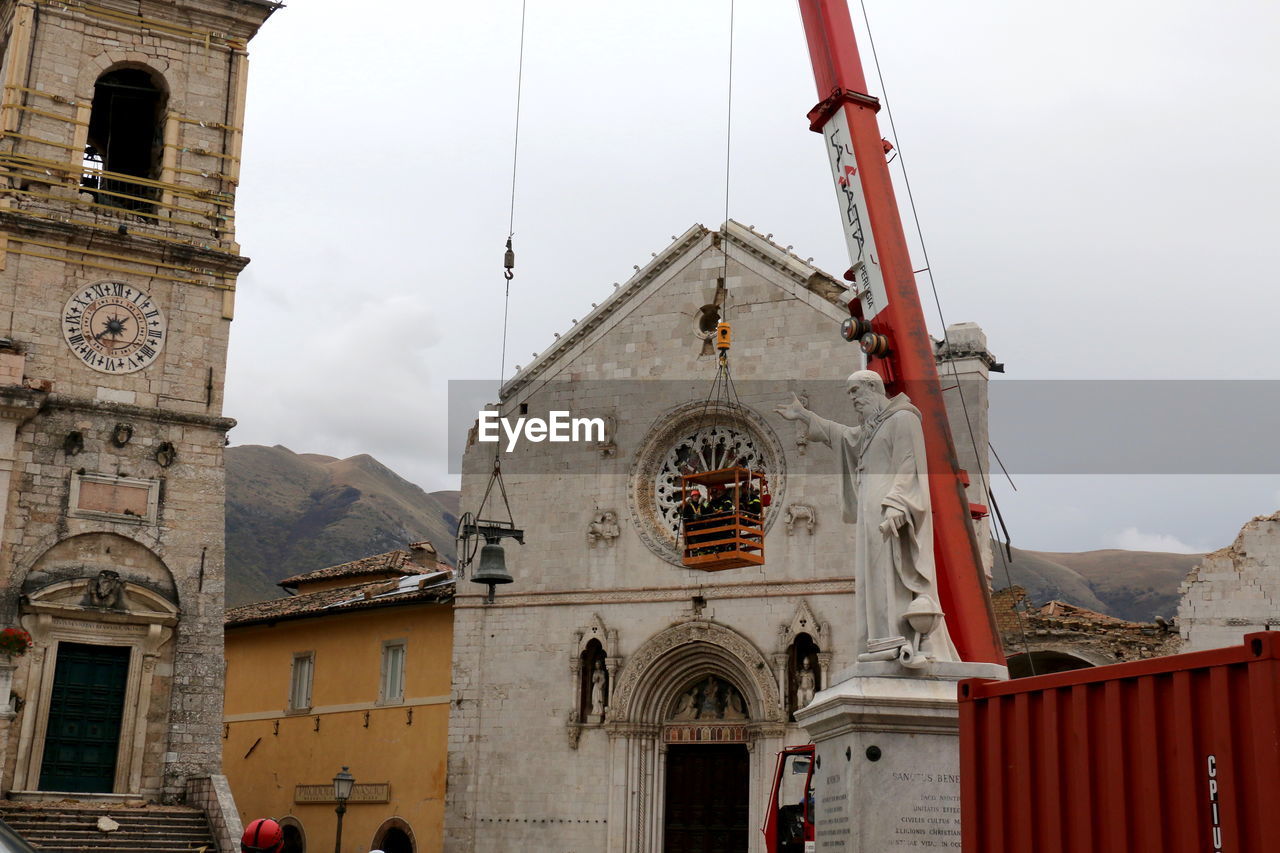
(119, 159)
(610, 698)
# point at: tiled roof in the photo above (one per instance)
(420, 586)
(392, 562)
(1067, 610)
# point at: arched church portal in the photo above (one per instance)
(695, 719)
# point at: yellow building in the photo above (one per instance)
(351, 671)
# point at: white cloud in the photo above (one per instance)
(1133, 539)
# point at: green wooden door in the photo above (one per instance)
(84, 718)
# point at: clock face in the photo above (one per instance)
(113, 327)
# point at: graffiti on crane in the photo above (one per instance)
(846, 174)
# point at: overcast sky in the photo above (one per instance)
(1097, 183)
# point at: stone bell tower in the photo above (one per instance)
(120, 138)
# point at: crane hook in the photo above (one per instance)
(509, 262)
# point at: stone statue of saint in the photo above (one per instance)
(598, 677)
(884, 485)
(804, 684)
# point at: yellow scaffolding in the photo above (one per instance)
(209, 210)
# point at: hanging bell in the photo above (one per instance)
(493, 567)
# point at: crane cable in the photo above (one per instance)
(509, 255)
(722, 392)
(728, 150)
(508, 263)
(928, 268)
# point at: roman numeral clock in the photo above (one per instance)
(113, 327)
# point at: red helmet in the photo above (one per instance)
(264, 835)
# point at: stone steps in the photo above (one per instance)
(73, 828)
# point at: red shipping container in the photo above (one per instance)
(1178, 754)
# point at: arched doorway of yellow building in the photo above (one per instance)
(394, 836)
(295, 840)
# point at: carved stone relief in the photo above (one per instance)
(709, 698)
(803, 515)
(106, 590)
(643, 665)
(603, 528)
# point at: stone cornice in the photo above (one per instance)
(81, 404)
(224, 19)
(150, 250)
(18, 403)
(635, 595)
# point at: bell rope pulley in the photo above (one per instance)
(485, 535)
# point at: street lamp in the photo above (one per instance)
(342, 785)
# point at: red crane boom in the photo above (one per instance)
(885, 312)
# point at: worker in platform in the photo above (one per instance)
(751, 503)
(721, 501)
(722, 507)
(695, 506)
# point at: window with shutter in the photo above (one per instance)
(391, 690)
(300, 681)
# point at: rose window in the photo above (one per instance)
(690, 439)
(709, 449)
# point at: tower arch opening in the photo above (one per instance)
(126, 138)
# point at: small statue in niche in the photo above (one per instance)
(805, 684)
(599, 678)
(603, 528)
(107, 590)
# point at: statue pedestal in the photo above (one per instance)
(888, 757)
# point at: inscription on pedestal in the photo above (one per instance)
(930, 820)
(833, 826)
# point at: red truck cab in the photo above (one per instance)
(788, 821)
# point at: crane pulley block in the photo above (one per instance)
(723, 337)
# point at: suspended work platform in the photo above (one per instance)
(722, 519)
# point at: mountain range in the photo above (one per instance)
(289, 513)
(1133, 585)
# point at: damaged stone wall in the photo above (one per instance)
(1236, 590)
(1058, 628)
